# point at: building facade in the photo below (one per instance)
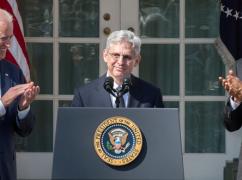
(65, 39)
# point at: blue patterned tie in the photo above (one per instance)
(121, 102)
(121, 99)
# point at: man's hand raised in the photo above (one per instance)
(28, 96)
(27, 92)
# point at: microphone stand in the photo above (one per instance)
(108, 86)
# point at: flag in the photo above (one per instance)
(17, 53)
(229, 44)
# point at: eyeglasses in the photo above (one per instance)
(5, 39)
(117, 56)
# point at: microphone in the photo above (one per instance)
(119, 92)
(125, 86)
(108, 85)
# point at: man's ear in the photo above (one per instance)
(137, 60)
(105, 54)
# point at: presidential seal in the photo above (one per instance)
(118, 141)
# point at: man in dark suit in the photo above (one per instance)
(15, 98)
(233, 109)
(122, 54)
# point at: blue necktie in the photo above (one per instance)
(121, 98)
(121, 102)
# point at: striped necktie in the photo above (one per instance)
(121, 102)
(121, 98)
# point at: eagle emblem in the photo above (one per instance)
(118, 139)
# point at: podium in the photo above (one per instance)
(159, 159)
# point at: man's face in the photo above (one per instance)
(120, 59)
(6, 32)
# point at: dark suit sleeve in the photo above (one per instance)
(159, 100)
(232, 118)
(77, 100)
(24, 126)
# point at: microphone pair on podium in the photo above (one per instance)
(119, 92)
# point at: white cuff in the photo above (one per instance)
(23, 114)
(2, 109)
(234, 104)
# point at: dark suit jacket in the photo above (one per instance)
(232, 118)
(141, 94)
(11, 75)
(233, 122)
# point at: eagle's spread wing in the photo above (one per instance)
(111, 139)
(124, 139)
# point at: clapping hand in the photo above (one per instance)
(233, 85)
(28, 96)
(27, 91)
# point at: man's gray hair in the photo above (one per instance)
(5, 15)
(124, 36)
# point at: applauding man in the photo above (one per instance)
(233, 109)
(15, 98)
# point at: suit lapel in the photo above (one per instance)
(102, 94)
(6, 81)
(3, 79)
(133, 102)
(134, 93)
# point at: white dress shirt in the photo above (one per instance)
(125, 96)
(113, 99)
